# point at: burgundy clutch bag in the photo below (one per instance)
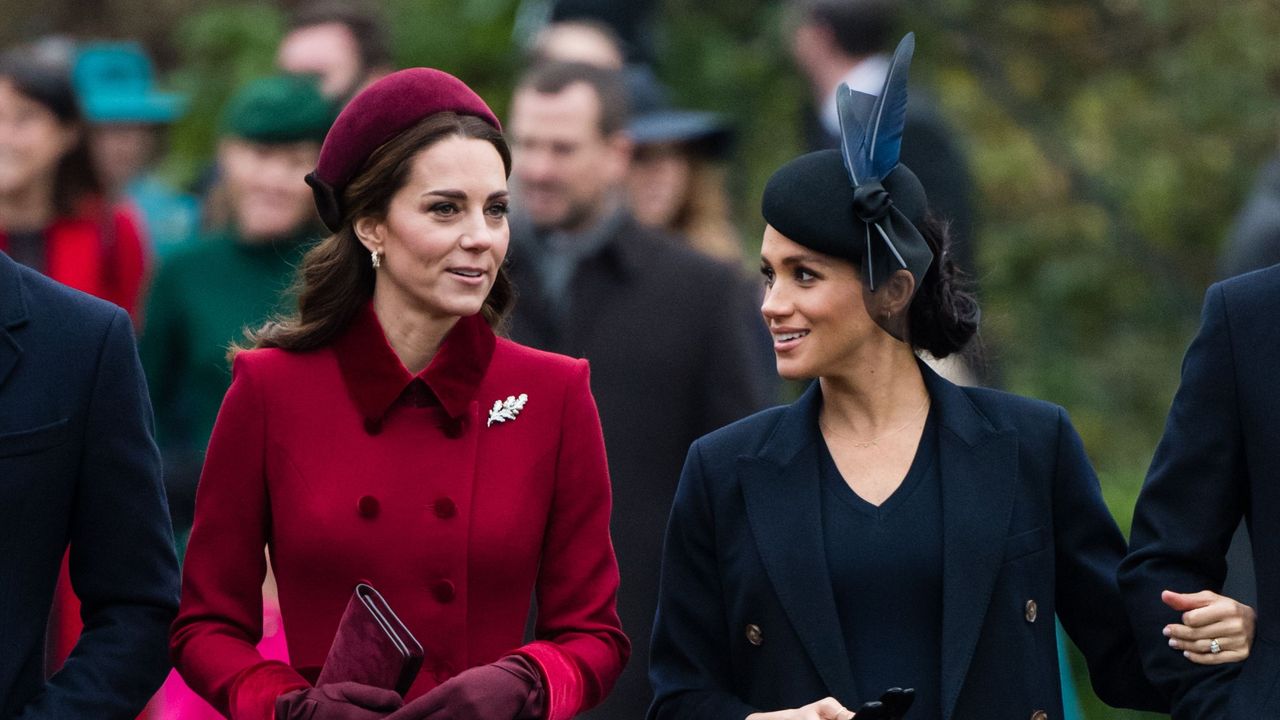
(372, 646)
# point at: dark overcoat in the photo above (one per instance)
(1218, 462)
(747, 619)
(78, 466)
(673, 341)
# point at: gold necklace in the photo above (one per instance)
(875, 441)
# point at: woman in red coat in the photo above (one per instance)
(385, 434)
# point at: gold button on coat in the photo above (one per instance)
(1039, 715)
(1031, 613)
(754, 636)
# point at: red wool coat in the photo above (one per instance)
(348, 468)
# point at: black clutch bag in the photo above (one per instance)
(892, 705)
(372, 646)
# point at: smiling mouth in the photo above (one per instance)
(468, 273)
(788, 337)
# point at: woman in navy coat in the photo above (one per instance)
(888, 528)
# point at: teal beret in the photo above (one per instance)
(278, 109)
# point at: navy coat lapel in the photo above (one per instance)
(979, 468)
(13, 312)
(781, 489)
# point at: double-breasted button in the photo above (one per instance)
(1031, 611)
(445, 508)
(373, 426)
(443, 590)
(1039, 715)
(368, 506)
(754, 635)
(454, 427)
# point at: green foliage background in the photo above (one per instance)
(1111, 143)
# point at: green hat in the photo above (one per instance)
(278, 109)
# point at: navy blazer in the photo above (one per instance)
(747, 618)
(78, 466)
(1219, 460)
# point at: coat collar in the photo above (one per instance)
(13, 299)
(375, 377)
(14, 311)
(780, 482)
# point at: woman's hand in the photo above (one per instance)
(825, 709)
(509, 689)
(1208, 616)
(337, 701)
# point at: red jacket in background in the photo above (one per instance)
(99, 251)
(349, 468)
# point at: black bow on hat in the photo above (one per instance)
(870, 145)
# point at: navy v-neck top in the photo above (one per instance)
(886, 572)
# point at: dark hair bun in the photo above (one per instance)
(944, 314)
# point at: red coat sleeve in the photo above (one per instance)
(220, 618)
(580, 648)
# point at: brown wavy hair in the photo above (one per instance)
(336, 277)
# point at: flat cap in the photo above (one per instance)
(278, 109)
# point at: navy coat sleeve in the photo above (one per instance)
(123, 566)
(1088, 547)
(689, 666)
(1189, 507)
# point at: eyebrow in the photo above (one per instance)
(460, 195)
(801, 259)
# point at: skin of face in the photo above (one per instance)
(269, 198)
(328, 51)
(570, 42)
(565, 169)
(658, 183)
(122, 152)
(814, 309)
(445, 232)
(32, 141)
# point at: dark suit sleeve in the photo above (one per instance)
(1189, 507)
(689, 657)
(1088, 548)
(123, 567)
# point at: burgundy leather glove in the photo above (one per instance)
(509, 689)
(337, 701)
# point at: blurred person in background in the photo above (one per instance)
(54, 216)
(128, 118)
(1254, 240)
(582, 41)
(344, 44)
(205, 295)
(835, 41)
(676, 181)
(666, 329)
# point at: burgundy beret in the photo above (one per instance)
(378, 113)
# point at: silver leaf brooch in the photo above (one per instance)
(504, 410)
